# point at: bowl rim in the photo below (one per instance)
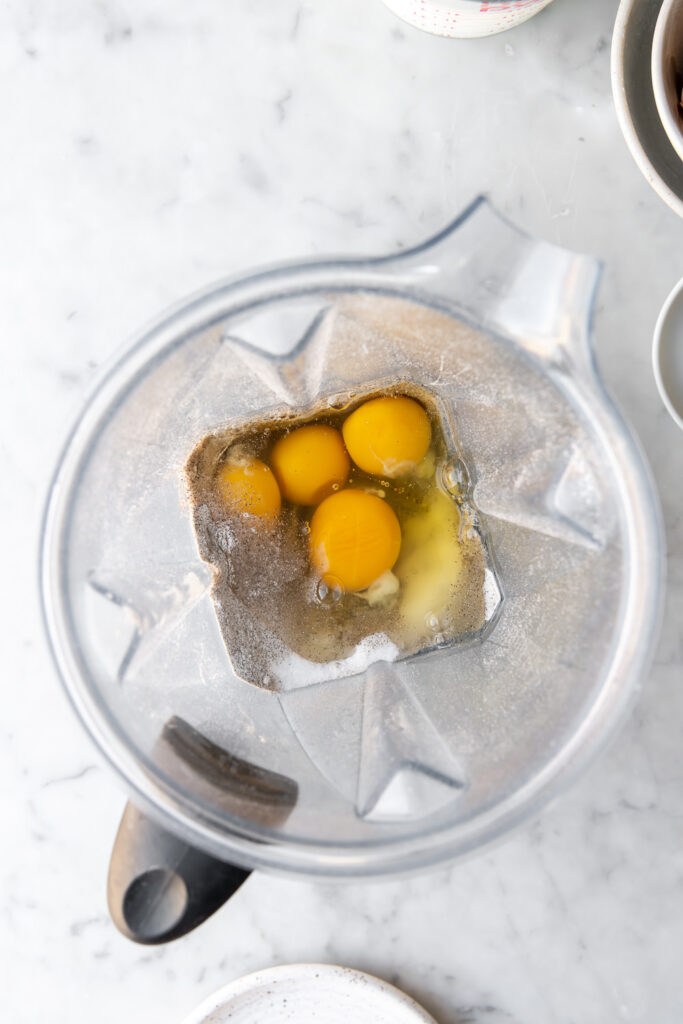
(626, 123)
(319, 978)
(674, 294)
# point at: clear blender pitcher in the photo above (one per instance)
(405, 763)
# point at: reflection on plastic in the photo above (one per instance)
(406, 770)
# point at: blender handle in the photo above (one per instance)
(160, 888)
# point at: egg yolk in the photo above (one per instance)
(387, 436)
(249, 487)
(355, 537)
(310, 463)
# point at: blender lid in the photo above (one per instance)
(394, 765)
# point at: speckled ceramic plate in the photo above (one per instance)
(309, 994)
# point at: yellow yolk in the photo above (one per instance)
(387, 436)
(355, 537)
(310, 463)
(249, 487)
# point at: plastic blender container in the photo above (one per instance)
(405, 764)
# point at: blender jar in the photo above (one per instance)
(401, 764)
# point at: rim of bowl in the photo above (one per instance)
(673, 295)
(316, 974)
(672, 125)
(626, 123)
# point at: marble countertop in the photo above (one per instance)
(151, 146)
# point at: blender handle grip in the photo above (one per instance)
(160, 888)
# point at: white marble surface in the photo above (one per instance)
(150, 146)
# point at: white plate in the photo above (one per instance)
(309, 994)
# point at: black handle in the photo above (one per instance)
(159, 888)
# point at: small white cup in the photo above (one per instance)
(667, 70)
(667, 354)
(465, 18)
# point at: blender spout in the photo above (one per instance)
(505, 280)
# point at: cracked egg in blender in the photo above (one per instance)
(338, 537)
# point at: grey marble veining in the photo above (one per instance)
(151, 147)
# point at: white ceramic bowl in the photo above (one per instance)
(667, 70)
(667, 354)
(635, 101)
(465, 18)
(309, 994)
